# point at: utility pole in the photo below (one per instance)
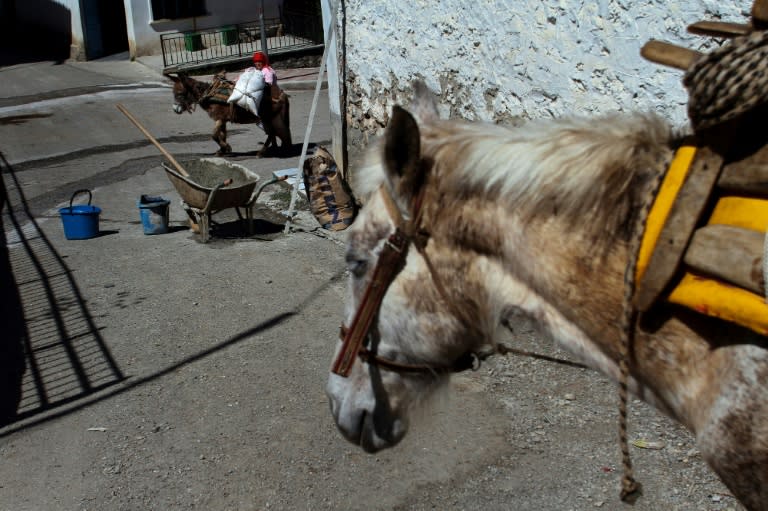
(263, 31)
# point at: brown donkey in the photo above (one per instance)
(467, 223)
(274, 112)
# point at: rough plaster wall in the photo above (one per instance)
(497, 60)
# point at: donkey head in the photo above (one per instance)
(411, 336)
(183, 94)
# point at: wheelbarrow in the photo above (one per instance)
(209, 185)
(213, 185)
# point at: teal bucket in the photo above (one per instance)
(154, 214)
(80, 222)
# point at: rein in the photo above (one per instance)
(391, 262)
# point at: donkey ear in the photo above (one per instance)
(423, 105)
(402, 154)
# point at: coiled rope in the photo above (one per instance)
(728, 81)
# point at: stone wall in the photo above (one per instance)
(497, 60)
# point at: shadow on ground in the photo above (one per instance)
(53, 353)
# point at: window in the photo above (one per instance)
(175, 9)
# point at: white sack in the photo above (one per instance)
(248, 90)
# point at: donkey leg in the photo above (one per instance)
(271, 142)
(220, 137)
(267, 144)
(285, 141)
(735, 445)
(272, 135)
(283, 126)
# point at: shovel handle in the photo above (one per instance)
(153, 140)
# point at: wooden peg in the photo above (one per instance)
(669, 54)
(760, 13)
(728, 253)
(719, 29)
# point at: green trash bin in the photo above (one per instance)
(229, 35)
(193, 42)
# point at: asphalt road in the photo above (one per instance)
(164, 373)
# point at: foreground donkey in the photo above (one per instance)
(465, 224)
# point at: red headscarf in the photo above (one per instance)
(260, 57)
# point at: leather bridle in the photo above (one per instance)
(183, 99)
(391, 261)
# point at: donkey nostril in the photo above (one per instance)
(361, 424)
(334, 407)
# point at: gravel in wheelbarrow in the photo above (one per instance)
(215, 184)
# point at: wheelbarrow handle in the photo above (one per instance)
(258, 191)
(215, 189)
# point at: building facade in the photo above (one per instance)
(91, 29)
(501, 60)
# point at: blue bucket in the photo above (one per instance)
(154, 214)
(80, 222)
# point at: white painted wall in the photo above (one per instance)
(144, 33)
(495, 60)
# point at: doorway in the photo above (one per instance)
(105, 29)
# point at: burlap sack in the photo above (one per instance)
(330, 198)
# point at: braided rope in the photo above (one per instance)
(765, 265)
(630, 488)
(728, 81)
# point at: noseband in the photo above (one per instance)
(182, 99)
(183, 104)
(391, 262)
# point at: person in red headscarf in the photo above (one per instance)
(261, 62)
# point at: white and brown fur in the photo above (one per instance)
(537, 219)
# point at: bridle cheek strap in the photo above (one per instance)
(390, 263)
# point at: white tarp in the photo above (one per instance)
(248, 90)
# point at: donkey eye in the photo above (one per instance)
(358, 268)
(356, 265)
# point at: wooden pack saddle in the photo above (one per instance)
(704, 246)
(222, 87)
(706, 237)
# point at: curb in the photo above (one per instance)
(301, 84)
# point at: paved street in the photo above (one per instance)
(160, 367)
(162, 373)
(65, 132)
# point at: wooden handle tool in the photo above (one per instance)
(153, 140)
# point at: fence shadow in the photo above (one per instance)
(14, 332)
(51, 351)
